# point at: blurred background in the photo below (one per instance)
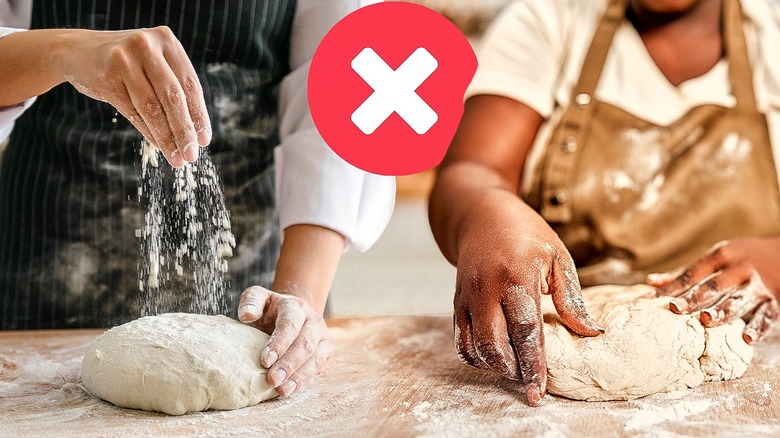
(404, 273)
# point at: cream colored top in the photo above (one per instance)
(533, 53)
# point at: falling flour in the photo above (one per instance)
(186, 238)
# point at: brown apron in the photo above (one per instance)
(628, 197)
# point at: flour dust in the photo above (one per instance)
(186, 238)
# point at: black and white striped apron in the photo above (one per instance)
(68, 180)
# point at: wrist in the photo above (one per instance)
(307, 263)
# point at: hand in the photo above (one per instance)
(300, 345)
(734, 279)
(146, 75)
(506, 261)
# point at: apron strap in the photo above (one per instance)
(552, 201)
(597, 53)
(740, 71)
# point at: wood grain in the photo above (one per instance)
(394, 376)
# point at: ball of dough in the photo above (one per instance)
(646, 348)
(177, 363)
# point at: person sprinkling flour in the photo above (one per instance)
(608, 141)
(184, 75)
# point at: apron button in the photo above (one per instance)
(569, 145)
(558, 199)
(582, 100)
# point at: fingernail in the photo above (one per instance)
(176, 160)
(268, 357)
(204, 136)
(707, 315)
(677, 305)
(288, 387)
(247, 311)
(278, 376)
(596, 326)
(533, 395)
(750, 336)
(191, 151)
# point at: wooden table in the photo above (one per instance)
(394, 377)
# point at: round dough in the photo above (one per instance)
(646, 348)
(177, 363)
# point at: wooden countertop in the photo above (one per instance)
(394, 376)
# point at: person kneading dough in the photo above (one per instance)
(603, 141)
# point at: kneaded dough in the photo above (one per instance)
(177, 363)
(646, 348)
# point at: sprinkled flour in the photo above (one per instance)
(186, 238)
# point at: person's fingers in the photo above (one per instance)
(711, 291)
(658, 279)
(124, 105)
(299, 351)
(712, 262)
(761, 323)
(252, 304)
(313, 367)
(736, 304)
(464, 344)
(193, 91)
(524, 323)
(567, 297)
(290, 319)
(148, 106)
(171, 96)
(491, 342)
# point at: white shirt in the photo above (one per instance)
(534, 51)
(313, 184)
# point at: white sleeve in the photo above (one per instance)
(11, 113)
(313, 184)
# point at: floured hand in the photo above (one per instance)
(146, 75)
(506, 261)
(300, 345)
(735, 278)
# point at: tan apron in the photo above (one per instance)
(628, 197)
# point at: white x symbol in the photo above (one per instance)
(394, 91)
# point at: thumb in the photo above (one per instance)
(253, 302)
(567, 297)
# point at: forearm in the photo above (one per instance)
(464, 190)
(307, 264)
(31, 63)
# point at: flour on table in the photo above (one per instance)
(646, 348)
(177, 363)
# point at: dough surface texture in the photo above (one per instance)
(646, 349)
(177, 363)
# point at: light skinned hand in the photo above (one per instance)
(146, 75)
(506, 262)
(300, 346)
(735, 278)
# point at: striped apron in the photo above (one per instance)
(69, 177)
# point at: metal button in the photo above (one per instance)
(558, 198)
(582, 100)
(569, 144)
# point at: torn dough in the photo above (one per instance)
(177, 363)
(646, 348)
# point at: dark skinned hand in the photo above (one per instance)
(735, 278)
(506, 262)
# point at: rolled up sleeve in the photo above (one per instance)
(313, 184)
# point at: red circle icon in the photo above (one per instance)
(386, 87)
